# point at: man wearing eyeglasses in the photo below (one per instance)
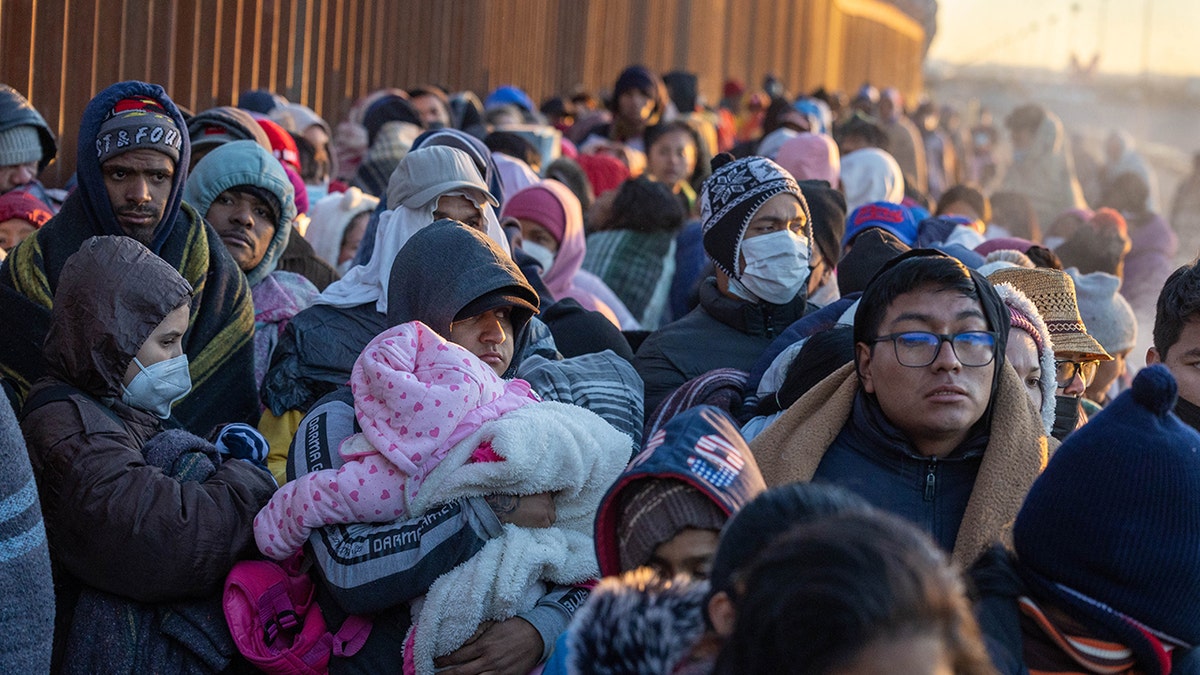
(928, 422)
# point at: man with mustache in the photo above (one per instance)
(928, 422)
(132, 165)
(245, 194)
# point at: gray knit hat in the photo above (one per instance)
(654, 510)
(20, 145)
(1107, 315)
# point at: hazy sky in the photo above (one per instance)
(1045, 33)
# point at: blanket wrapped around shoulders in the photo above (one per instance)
(218, 342)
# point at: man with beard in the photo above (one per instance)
(132, 165)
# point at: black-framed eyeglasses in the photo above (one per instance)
(917, 349)
(1065, 371)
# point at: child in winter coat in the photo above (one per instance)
(438, 424)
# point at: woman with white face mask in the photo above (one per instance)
(135, 515)
(552, 233)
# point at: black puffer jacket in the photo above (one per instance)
(722, 332)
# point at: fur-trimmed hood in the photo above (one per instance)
(1017, 300)
(636, 624)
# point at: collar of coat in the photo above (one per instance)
(792, 447)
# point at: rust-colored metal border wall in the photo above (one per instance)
(326, 53)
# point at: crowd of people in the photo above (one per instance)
(620, 383)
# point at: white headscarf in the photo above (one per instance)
(365, 283)
(871, 175)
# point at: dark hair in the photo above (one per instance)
(644, 205)
(1178, 303)
(829, 589)
(1041, 256)
(431, 90)
(820, 356)
(1127, 193)
(1014, 212)
(312, 170)
(703, 153)
(862, 126)
(969, 195)
(753, 527)
(1027, 118)
(555, 107)
(1099, 246)
(513, 145)
(907, 275)
(568, 172)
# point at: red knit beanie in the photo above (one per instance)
(605, 172)
(20, 205)
(283, 146)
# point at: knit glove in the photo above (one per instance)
(242, 441)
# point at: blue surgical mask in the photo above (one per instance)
(158, 386)
(316, 192)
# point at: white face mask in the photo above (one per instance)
(776, 266)
(543, 255)
(158, 386)
(344, 267)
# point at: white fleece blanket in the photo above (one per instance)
(547, 447)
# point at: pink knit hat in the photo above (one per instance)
(811, 157)
(19, 204)
(539, 204)
(417, 395)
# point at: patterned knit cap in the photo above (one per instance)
(729, 199)
(1053, 293)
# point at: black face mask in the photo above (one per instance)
(1189, 413)
(1066, 416)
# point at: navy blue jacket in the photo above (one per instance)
(873, 459)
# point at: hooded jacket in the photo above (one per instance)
(701, 448)
(15, 111)
(278, 295)
(634, 622)
(234, 123)
(566, 273)
(245, 163)
(441, 269)
(218, 342)
(116, 523)
(1046, 173)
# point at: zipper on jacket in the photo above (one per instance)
(931, 480)
(768, 321)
